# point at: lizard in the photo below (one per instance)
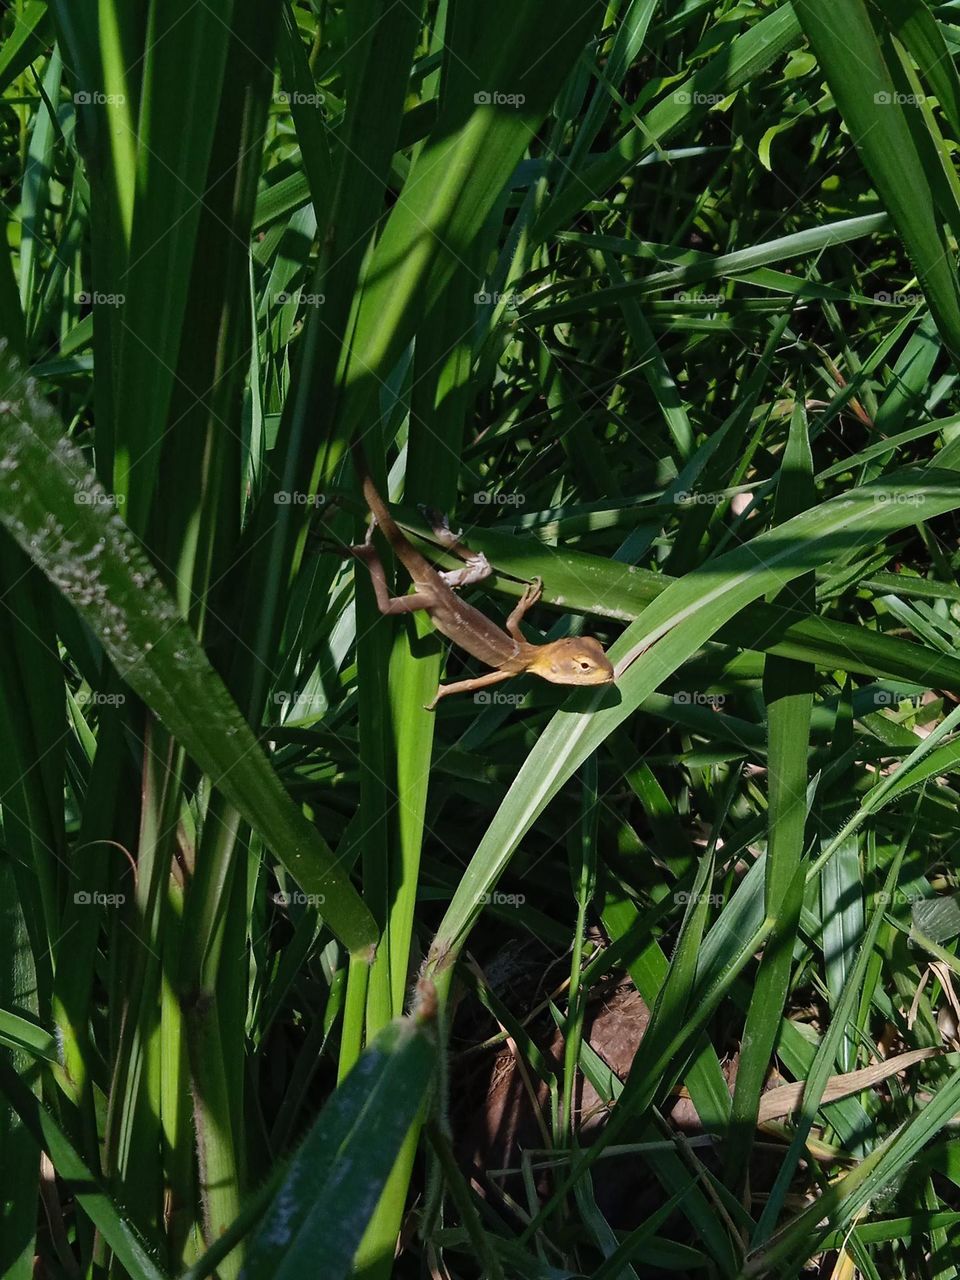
(574, 660)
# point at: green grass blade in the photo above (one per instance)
(583, 583)
(20, 1167)
(825, 1059)
(670, 630)
(36, 185)
(788, 693)
(335, 1179)
(62, 518)
(743, 57)
(26, 42)
(848, 50)
(122, 1236)
(458, 176)
(702, 268)
(160, 188)
(841, 897)
(916, 27)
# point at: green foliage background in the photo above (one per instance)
(662, 304)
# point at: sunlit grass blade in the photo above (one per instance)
(608, 589)
(458, 175)
(670, 630)
(63, 519)
(846, 44)
(745, 56)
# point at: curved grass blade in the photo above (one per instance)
(131, 1250)
(336, 1178)
(670, 631)
(583, 583)
(864, 87)
(700, 268)
(65, 522)
(743, 57)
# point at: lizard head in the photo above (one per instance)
(573, 660)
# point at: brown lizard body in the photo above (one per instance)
(576, 660)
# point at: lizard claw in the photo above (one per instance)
(475, 570)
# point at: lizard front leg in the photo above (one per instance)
(476, 571)
(478, 566)
(468, 686)
(529, 598)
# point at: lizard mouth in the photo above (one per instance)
(598, 677)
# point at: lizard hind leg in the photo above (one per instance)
(386, 603)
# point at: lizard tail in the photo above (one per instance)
(405, 553)
(379, 509)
